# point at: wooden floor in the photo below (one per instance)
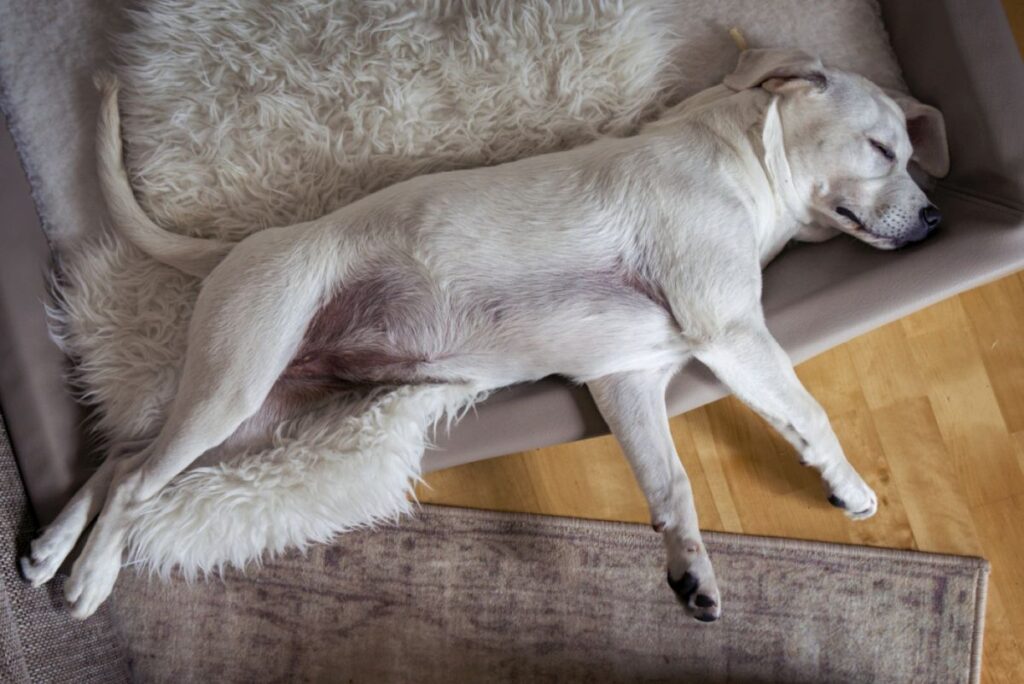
(930, 409)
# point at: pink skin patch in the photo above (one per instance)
(395, 327)
(364, 334)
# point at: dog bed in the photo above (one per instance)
(240, 115)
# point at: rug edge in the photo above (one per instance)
(977, 564)
(978, 638)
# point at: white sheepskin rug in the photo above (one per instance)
(239, 115)
(244, 114)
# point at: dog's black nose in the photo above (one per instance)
(931, 216)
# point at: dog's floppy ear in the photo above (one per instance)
(776, 70)
(927, 131)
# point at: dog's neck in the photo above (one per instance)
(755, 118)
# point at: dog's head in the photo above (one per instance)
(843, 146)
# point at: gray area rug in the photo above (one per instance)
(457, 595)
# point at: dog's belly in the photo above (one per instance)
(403, 327)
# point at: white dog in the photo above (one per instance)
(612, 264)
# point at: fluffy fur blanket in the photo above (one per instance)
(244, 114)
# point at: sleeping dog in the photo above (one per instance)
(612, 264)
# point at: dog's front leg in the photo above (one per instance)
(751, 363)
(633, 404)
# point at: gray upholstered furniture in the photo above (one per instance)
(956, 54)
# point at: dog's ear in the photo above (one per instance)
(777, 71)
(927, 131)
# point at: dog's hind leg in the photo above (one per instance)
(249, 320)
(633, 404)
(50, 549)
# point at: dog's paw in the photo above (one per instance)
(47, 553)
(92, 579)
(857, 500)
(38, 570)
(696, 589)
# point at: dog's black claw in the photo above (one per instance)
(836, 501)
(704, 601)
(684, 586)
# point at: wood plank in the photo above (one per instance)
(706, 453)
(937, 507)
(1001, 537)
(860, 438)
(994, 313)
(945, 351)
(885, 367)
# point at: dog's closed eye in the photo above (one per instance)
(883, 150)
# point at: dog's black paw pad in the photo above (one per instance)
(704, 601)
(684, 586)
(836, 501)
(706, 617)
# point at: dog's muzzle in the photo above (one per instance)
(928, 220)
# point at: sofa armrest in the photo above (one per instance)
(960, 55)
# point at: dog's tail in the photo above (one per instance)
(194, 256)
(313, 483)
